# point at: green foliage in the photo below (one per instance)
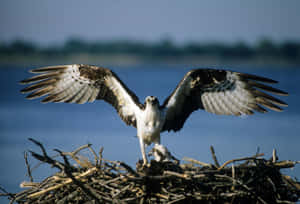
(19, 47)
(165, 48)
(290, 50)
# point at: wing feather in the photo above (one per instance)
(228, 105)
(94, 95)
(217, 104)
(205, 102)
(68, 93)
(211, 102)
(38, 85)
(87, 94)
(40, 77)
(270, 98)
(79, 83)
(267, 88)
(40, 92)
(221, 92)
(56, 68)
(79, 93)
(233, 103)
(268, 104)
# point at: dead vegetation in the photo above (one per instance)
(81, 180)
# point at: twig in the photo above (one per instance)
(38, 144)
(171, 173)
(25, 184)
(285, 164)
(240, 159)
(121, 191)
(291, 182)
(196, 161)
(5, 193)
(284, 201)
(162, 196)
(100, 156)
(272, 183)
(85, 188)
(45, 157)
(28, 167)
(108, 181)
(274, 156)
(74, 156)
(68, 181)
(95, 155)
(3, 190)
(233, 176)
(214, 156)
(68, 197)
(76, 151)
(177, 200)
(129, 169)
(243, 185)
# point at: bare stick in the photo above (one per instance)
(240, 159)
(129, 169)
(233, 176)
(3, 190)
(5, 193)
(45, 157)
(69, 180)
(196, 161)
(172, 173)
(85, 188)
(95, 155)
(243, 185)
(38, 144)
(168, 182)
(274, 156)
(100, 156)
(81, 148)
(28, 167)
(286, 164)
(214, 156)
(177, 200)
(291, 182)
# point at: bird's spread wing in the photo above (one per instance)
(221, 92)
(80, 84)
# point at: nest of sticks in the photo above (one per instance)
(82, 180)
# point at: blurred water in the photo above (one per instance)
(67, 126)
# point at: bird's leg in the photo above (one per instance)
(145, 161)
(157, 141)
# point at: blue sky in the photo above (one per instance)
(54, 21)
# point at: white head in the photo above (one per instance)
(151, 100)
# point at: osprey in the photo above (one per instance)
(221, 92)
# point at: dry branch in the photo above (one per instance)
(79, 180)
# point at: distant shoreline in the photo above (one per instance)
(134, 60)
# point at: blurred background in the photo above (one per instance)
(146, 42)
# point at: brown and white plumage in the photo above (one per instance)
(221, 92)
(80, 84)
(216, 91)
